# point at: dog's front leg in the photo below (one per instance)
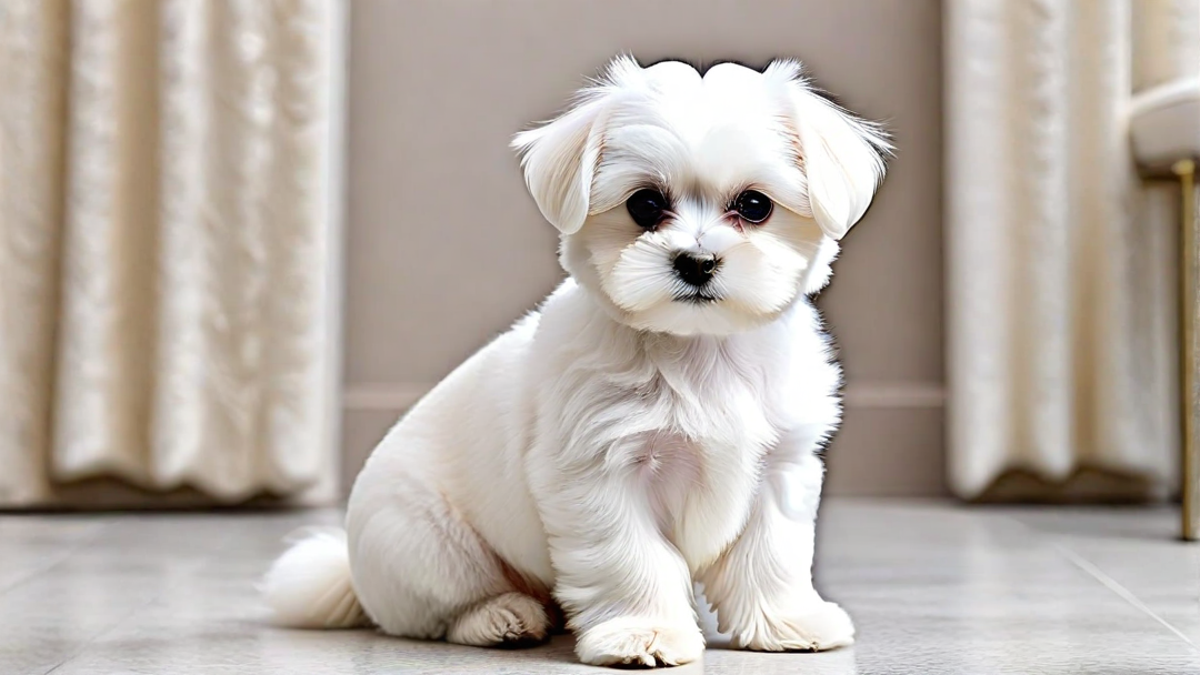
(761, 586)
(626, 590)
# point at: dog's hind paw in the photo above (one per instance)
(510, 619)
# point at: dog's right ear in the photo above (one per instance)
(559, 159)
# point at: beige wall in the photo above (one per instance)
(445, 248)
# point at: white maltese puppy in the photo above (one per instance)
(658, 422)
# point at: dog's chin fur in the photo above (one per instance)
(638, 433)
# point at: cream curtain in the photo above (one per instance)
(167, 247)
(1061, 263)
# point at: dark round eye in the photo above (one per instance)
(646, 207)
(753, 206)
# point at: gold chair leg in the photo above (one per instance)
(1189, 319)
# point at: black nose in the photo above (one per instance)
(695, 269)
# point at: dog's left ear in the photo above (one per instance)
(842, 156)
(559, 159)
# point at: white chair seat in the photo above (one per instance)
(1165, 124)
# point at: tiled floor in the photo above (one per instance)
(934, 589)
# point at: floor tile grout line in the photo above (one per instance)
(94, 639)
(89, 641)
(69, 553)
(1120, 590)
(99, 635)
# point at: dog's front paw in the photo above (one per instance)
(640, 642)
(810, 628)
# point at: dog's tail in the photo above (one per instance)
(309, 586)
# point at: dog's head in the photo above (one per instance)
(701, 205)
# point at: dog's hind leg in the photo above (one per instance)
(421, 571)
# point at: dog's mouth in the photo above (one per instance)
(697, 298)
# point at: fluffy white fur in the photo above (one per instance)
(621, 443)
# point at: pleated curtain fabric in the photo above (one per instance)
(167, 247)
(1061, 262)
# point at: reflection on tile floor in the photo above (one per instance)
(934, 589)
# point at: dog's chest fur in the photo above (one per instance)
(698, 465)
(689, 421)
